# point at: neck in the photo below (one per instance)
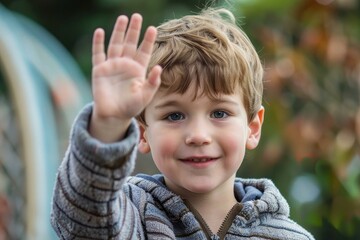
(215, 205)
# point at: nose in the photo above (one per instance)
(198, 134)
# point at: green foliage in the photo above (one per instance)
(311, 54)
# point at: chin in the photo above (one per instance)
(200, 189)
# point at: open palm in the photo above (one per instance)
(121, 87)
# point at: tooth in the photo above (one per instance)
(199, 159)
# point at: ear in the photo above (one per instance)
(255, 129)
(143, 146)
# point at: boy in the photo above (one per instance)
(197, 122)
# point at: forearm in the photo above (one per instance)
(88, 201)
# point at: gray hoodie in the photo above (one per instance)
(94, 198)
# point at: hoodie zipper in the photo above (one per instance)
(225, 225)
(230, 216)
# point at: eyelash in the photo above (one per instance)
(168, 116)
(221, 111)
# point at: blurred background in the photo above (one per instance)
(310, 143)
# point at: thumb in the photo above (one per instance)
(152, 83)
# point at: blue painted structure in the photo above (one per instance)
(47, 90)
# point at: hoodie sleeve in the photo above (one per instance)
(88, 202)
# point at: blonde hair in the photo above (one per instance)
(210, 50)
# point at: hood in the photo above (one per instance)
(259, 197)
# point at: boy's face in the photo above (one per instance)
(198, 144)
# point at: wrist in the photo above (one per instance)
(109, 129)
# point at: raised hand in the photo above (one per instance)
(120, 84)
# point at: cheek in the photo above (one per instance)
(235, 152)
(162, 144)
(234, 144)
(163, 147)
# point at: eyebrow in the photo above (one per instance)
(222, 100)
(172, 103)
(167, 104)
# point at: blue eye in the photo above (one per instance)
(219, 114)
(175, 117)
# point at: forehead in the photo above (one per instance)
(191, 95)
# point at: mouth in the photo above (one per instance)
(197, 159)
(199, 162)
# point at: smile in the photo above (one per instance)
(199, 159)
(199, 162)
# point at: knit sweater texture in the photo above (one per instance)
(96, 198)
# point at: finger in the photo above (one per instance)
(132, 35)
(154, 76)
(117, 37)
(98, 54)
(144, 52)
